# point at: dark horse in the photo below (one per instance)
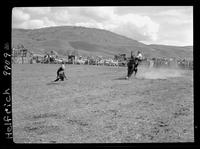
(132, 66)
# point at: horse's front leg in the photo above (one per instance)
(135, 71)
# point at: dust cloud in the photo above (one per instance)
(159, 73)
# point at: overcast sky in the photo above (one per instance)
(151, 25)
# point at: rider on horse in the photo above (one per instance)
(133, 64)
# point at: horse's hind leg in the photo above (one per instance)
(131, 72)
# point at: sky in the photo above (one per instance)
(168, 25)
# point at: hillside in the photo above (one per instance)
(90, 42)
(179, 51)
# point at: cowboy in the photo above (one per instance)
(61, 73)
(139, 56)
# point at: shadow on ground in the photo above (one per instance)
(53, 83)
(121, 78)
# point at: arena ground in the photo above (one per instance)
(97, 105)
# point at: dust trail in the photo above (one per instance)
(159, 73)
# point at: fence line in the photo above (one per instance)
(152, 63)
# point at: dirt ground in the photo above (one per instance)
(97, 105)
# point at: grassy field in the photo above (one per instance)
(96, 105)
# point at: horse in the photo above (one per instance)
(132, 66)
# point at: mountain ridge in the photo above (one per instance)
(91, 41)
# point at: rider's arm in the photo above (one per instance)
(65, 76)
